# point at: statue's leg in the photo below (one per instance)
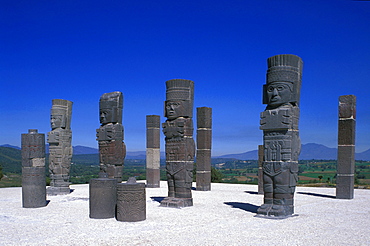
(265, 208)
(283, 195)
(171, 185)
(182, 184)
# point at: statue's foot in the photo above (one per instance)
(281, 210)
(264, 209)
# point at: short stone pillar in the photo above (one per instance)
(260, 169)
(60, 147)
(131, 201)
(152, 151)
(346, 147)
(33, 170)
(103, 197)
(204, 144)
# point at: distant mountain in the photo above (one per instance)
(250, 155)
(11, 159)
(140, 155)
(310, 151)
(365, 156)
(83, 150)
(10, 146)
(317, 151)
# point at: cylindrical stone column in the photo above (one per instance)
(103, 198)
(204, 144)
(131, 204)
(260, 169)
(152, 151)
(346, 147)
(33, 170)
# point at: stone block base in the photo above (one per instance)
(54, 191)
(173, 202)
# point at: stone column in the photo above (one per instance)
(346, 147)
(180, 146)
(131, 201)
(204, 144)
(60, 147)
(281, 141)
(33, 170)
(112, 149)
(102, 197)
(260, 169)
(152, 151)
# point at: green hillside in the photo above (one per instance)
(10, 160)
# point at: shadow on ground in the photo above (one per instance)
(157, 198)
(252, 192)
(316, 194)
(243, 206)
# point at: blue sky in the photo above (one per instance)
(78, 50)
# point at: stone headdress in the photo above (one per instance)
(285, 69)
(62, 108)
(113, 102)
(181, 90)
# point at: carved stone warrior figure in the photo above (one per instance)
(112, 149)
(60, 148)
(180, 146)
(281, 141)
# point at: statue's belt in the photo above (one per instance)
(274, 168)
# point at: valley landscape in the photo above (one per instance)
(317, 166)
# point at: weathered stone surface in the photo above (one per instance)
(112, 149)
(204, 144)
(102, 198)
(347, 107)
(346, 160)
(180, 146)
(203, 160)
(281, 142)
(204, 138)
(152, 151)
(60, 147)
(33, 170)
(131, 201)
(260, 169)
(344, 186)
(347, 129)
(346, 147)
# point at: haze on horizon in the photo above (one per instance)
(78, 50)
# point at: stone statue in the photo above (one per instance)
(33, 170)
(180, 146)
(112, 149)
(60, 147)
(281, 141)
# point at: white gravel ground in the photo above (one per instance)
(223, 216)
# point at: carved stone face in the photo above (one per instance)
(174, 109)
(56, 121)
(106, 115)
(278, 94)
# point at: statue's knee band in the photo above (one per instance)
(268, 188)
